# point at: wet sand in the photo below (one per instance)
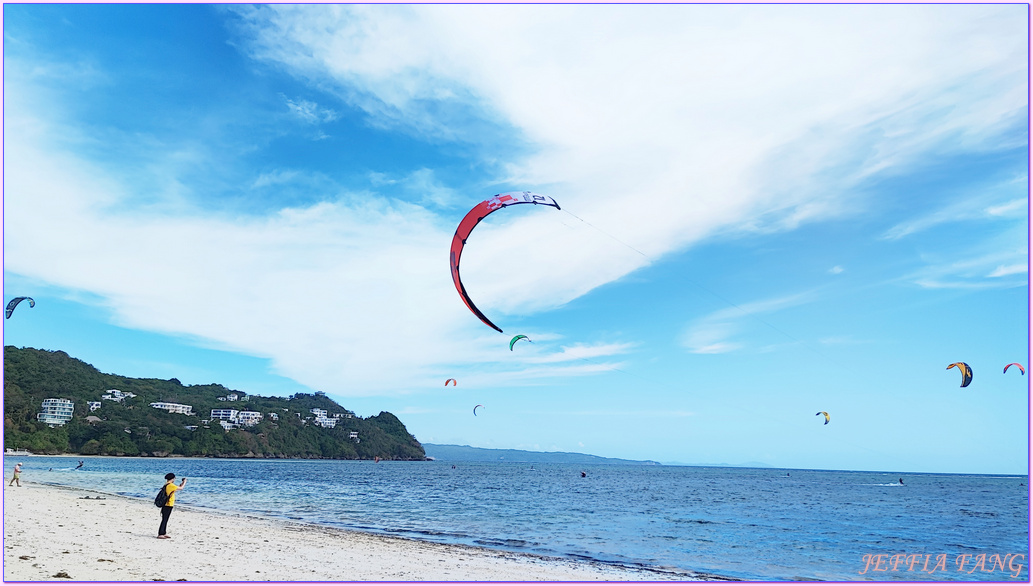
(54, 533)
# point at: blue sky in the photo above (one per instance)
(767, 211)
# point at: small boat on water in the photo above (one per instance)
(13, 452)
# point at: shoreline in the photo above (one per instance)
(54, 532)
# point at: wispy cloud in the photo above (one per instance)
(712, 334)
(1016, 207)
(762, 306)
(581, 352)
(278, 177)
(1002, 261)
(988, 203)
(310, 112)
(1015, 269)
(708, 337)
(478, 376)
(421, 185)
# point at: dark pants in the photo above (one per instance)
(165, 512)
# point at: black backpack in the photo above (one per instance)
(162, 498)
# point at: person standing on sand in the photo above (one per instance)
(17, 474)
(166, 511)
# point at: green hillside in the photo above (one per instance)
(133, 428)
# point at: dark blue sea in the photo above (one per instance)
(744, 523)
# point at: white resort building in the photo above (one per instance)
(116, 395)
(328, 422)
(56, 412)
(322, 420)
(229, 414)
(248, 418)
(174, 408)
(231, 418)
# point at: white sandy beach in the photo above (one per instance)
(53, 533)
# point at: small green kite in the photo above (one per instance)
(514, 340)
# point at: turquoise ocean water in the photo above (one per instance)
(758, 524)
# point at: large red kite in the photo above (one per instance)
(478, 213)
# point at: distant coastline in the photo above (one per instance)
(455, 453)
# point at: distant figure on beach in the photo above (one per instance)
(17, 474)
(80, 465)
(166, 511)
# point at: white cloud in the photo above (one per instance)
(422, 186)
(581, 352)
(969, 207)
(761, 306)
(310, 112)
(1015, 269)
(711, 334)
(278, 177)
(350, 297)
(688, 120)
(836, 270)
(714, 348)
(1000, 262)
(589, 368)
(1016, 207)
(960, 284)
(336, 295)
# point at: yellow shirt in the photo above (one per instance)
(170, 489)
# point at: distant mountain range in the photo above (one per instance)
(721, 464)
(453, 453)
